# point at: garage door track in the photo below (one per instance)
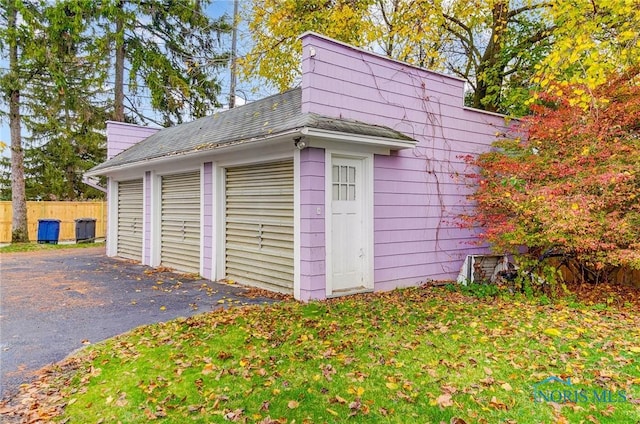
(54, 302)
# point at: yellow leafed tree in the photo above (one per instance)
(594, 39)
(276, 24)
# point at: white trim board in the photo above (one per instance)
(202, 176)
(156, 218)
(112, 217)
(296, 225)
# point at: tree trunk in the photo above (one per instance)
(234, 59)
(118, 111)
(19, 228)
(490, 72)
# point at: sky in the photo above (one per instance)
(217, 8)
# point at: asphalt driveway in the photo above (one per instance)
(55, 302)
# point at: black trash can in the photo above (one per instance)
(85, 229)
(48, 231)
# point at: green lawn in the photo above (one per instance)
(418, 355)
(31, 247)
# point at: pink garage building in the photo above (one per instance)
(350, 183)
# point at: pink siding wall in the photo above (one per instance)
(146, 256)
(312, 240)
(207, 224)
(121, 136)
(418, 192)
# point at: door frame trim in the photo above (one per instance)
(367, 216)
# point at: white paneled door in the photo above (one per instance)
(348, 246)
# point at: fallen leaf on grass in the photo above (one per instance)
(208, 369)
(359, 391)
(234, 415)
(327, 371)
(339, 399)
(444, 400)
(122, 400)
(608, 411)
(150, 415)
(487, 381)
(356, 406)
(552, 332)
(497, 404)
(506, 386)
(447, 388)
(224, 355)
(293, 404)
(592, 419)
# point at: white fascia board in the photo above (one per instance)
(239, 146)
(390, 143)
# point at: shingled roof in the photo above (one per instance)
(255, 121)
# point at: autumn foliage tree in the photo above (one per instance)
(571, 184)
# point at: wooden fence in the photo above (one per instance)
(618, 276)
(66, 212)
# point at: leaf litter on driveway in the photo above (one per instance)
(54, 302)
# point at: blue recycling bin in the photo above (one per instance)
(48, 230)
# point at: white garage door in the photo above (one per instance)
(180, 216)
(130, 231)
(259, 225)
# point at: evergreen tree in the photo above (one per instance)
(64, 58)
(18, 33)
(168, 52)
(5, 178)
(67, 107)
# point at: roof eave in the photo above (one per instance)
(227, 147)
(316, 133)
(390, 143)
